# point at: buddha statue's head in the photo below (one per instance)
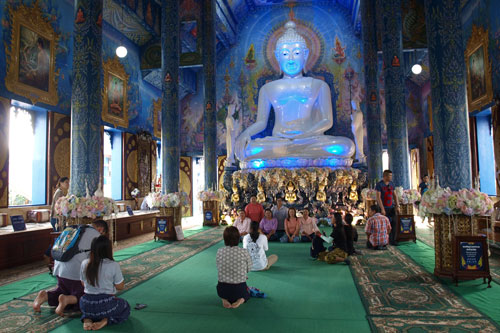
(291, 51)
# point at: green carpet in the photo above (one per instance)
(43, 281)
(303, 295)
(475, 292)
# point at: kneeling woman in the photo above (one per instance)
(102, 277)
(233, 265)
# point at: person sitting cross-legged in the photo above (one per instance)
(308, 227)
(292, 227)
(256, 244)
(377, 229)
(268, 225)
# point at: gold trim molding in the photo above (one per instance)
(157, 117)
(32, 19)
(479, 38)
(114, 67)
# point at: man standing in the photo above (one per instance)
(388, 202)
(254, 210)
(377, 229)
(280, 212)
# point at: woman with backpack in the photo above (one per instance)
(257, 245)
(102, 277)
(69, 289)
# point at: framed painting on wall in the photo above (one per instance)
(479, 89)
(114, 96)
(31, 55)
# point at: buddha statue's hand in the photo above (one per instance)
(240, 146)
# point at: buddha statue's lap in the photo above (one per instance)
(302, 108)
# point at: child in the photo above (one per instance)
(257, 245)
(351, 234)
(233, 265)
(69, 288)
(102, 277)
(292, 227)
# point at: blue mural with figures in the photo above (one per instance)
(56, 11)
(60, 13)
(140, 93)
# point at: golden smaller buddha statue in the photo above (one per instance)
(235, 197)
(261, 196)
(290, 195)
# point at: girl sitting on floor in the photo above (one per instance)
(351, 234)
(101, 277)
(257, 245)
(292, 227)
(233, 265)
(336, 253)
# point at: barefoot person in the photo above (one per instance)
(102, 277)
(256, 244)
(69, 288)
(233, 265)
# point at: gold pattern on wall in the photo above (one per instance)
(157, 117)
(479, 88)
(186, 183)
(114, 93)
(4, 152)
(30, 56)
(144, 163)
(129, 170)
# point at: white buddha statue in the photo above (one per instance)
(303, 112)
(232, 130)
(357, 130)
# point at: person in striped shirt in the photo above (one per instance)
(377, 229)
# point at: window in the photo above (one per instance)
(385, 160)
(27, 156)
(112, 164)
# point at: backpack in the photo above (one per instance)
(66, 245)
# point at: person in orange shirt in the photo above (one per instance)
(254, 210)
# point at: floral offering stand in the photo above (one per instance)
(170, 207)
(456, 215)
(211, 206)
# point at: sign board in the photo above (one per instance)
(164, 228)
(470, 258)
(18, 222)
(405, 228)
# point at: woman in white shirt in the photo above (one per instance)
(257, 245)
(101, 277)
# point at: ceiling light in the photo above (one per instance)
(121, 51)
(416, 69)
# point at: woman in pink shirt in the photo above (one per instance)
(292, 228)
(308, 227)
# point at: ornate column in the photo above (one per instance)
(449, 113)
(209, 116)
(170, 118)
(397, 131)
(374, 128)
(86, 101)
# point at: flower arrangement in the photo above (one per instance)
(85, 207)
(210, 195)
(465, 201)
(406, 197)
(369, 194)
(174, 199)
